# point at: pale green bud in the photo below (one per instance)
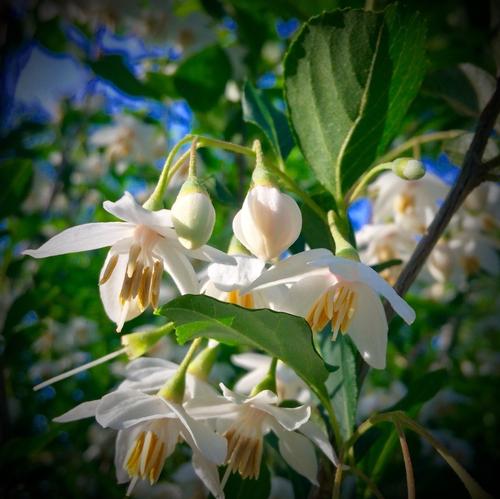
(408, 168)
(193, 214)
(137, 344)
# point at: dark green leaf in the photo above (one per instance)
(380, 267)
(257, 109)
(15, 177)
(341, 384)
(278, 334)
(201, 79)
(350, 77)
(162, 85)
(113, 69)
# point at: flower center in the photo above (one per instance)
(244, 444)
(146, 457)
(144, 270)
(404, 203)
(246, 300)
(336, 305)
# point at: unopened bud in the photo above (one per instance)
(408, 168)
(193, 214)
(137, 344)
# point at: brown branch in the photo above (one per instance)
(473, 172)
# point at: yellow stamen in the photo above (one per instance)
(133, 254)
(245, 300)
(109, 269)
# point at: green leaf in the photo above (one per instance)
(350, 77)
(201, 79)
(380, 267)
(341, 384)
(278, 334)
(257, 109)
(16, 176)
(113, 69)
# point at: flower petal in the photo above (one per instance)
(208, 474)
(312, 431)
(199, 436)
(289, 418)
(229, 277)
(304, 293)
(124, 440)
(124, 408)
(179, 268)
(110, 292)
(128, 209)
(208, 254)
(81, 411)
(298, 452)
(368, 328)
(293, 269)
(251, 360)
(83, 238)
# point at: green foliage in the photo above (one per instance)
(278, 334)
(201, 78)
(238, 488)
(341, 384)
(257, 109)
(16, 176)
(350, 77)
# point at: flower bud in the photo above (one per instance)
(268, 222)
(408, 168)
(193, 214)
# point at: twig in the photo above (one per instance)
(473, 172)
(410, 479)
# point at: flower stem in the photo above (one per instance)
(269, 381)
(174, 388)
(365, 180)
(192, 157)
(154, 202)
(410, 479)
(418, 140)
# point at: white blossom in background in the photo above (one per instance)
(129, 140)
(411, 204)
(142, 247)
(328, 289)
(244, 421)
(379, 243)
(288, 385)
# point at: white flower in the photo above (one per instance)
(149, 428)
(225, 282)
(411, 204)
(142, 247)
(329, 289)
(130, 140)
(379, 243)
(244, 421)
(288, 385)
(268, 223)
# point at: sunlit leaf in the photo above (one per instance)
(257, 109)
(278, 334)
(350, 77)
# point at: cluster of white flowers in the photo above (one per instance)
(404, 209)
(161, 403)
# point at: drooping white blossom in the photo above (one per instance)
(143, 245)
(325, 289)
(268, 222)
(244, 421)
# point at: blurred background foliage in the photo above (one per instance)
(93, 96)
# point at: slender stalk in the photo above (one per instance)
(365, 180)
(410, 479)
(154, 201)
(192, 157)
(417, 141)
